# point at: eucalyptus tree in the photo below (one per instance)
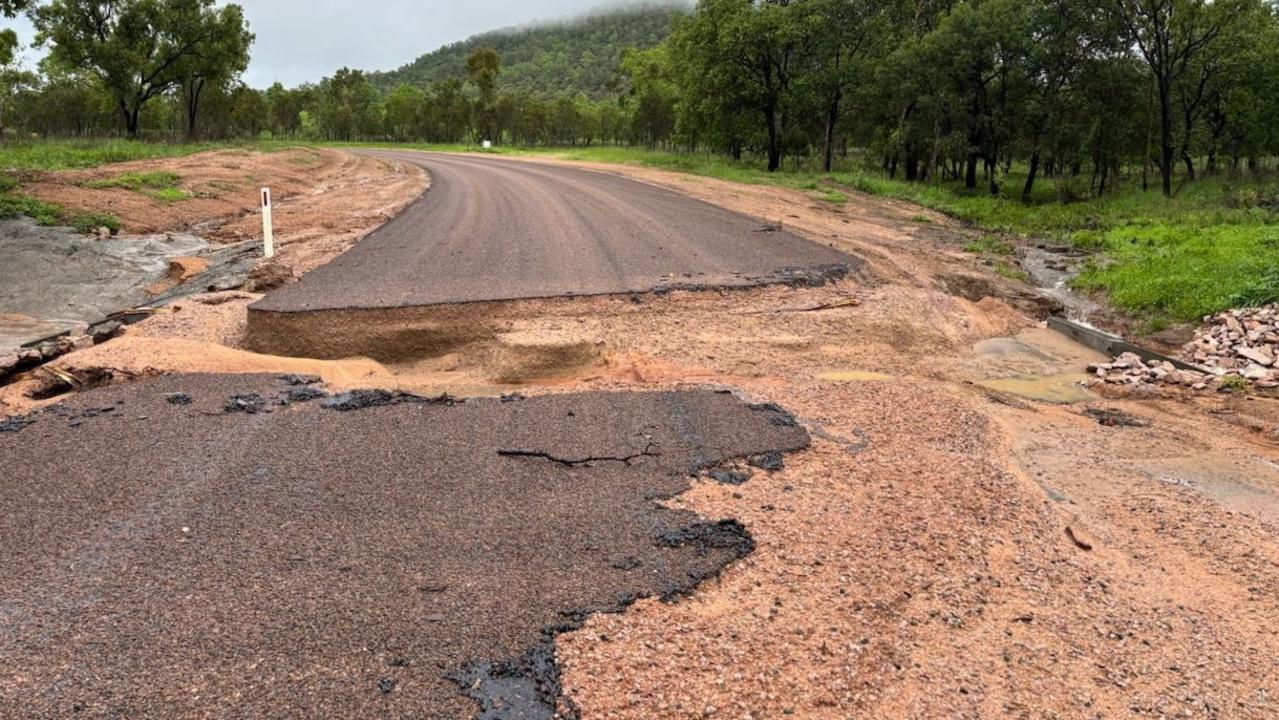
(1173, 37)
(138, 49)
(746, 55)
(217, 62)
(847, 34)
(483, 67)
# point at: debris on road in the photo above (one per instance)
(1110, 417)
(438, 579)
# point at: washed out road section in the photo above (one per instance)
(496, 229)
(197, 546)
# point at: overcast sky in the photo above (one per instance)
(304, 40)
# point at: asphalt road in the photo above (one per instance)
(228, 546)
(497, 229)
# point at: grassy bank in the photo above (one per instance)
(1214, 246)
(18, 157)
(19, 160)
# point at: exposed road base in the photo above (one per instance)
(396, 334)
(193, 546)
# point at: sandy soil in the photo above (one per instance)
(323, 199)
(955, 545)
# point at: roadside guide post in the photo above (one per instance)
(268, 234)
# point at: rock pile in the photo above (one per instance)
(1243, 342)
(1236, 349)
(1130, 369)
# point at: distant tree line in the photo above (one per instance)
(962, 89)
(935, 90)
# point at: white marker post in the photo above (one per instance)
(268, 233)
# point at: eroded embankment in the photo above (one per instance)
(235, 553)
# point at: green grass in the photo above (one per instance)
(137, 182)
(990, 245)
(43, 212)
(1234, 383)
(1208, 249)
(49, 214)
(26, 156)
(72, 154)
(88, 222)
(161, 185)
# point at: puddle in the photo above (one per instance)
(58, 279)
(1063, 388)
(1245, 485)
(1036, 364)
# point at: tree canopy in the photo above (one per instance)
(141, 49)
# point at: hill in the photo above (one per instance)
(548, 59)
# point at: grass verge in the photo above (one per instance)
(49, 214)
(161, 185)
(26, 156)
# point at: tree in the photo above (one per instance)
(743, 55)
(348, 105)
(846, 30)
(483, 68)
(652, 94)
(11, 8)
(404, 111)
(12, 79)
(1171, 35)
(216, 62)
(138, 49)
(450, 111)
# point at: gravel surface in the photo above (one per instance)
(199, 546)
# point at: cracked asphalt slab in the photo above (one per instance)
(214, 546)
(493, 229)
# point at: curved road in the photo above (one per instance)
(496, 229)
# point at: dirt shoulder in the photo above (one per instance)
(58, 280)
(971, 535)
(322, 196)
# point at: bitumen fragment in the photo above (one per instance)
(167, 560)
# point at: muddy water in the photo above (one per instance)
(1051, 269)
(55, 279)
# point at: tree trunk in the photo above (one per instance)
(1190, 165)
(1165, 137)
(832, 117)
(1030, 177)
(970, 175)
(193, 105)
(774, 138)
(131, 116)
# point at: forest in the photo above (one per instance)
(549, 59)
(948, 90)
